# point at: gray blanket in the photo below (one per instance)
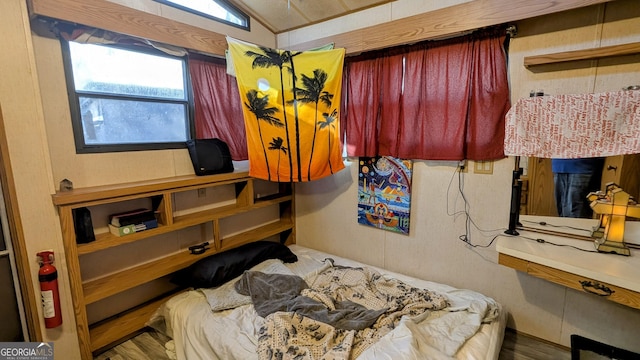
(271, 293)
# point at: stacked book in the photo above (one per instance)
(131, 222)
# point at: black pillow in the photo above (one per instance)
(216, 269)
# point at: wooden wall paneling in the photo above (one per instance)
(630, 176)
(541, 198)
(624, 171)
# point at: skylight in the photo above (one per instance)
(218, 10)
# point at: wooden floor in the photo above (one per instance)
(150, 346)
(518, 346)
(146, 346)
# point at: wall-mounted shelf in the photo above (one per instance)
(567, 266)
(172, 217)
(586, 54)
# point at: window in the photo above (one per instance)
(123, 100)
(218, 10)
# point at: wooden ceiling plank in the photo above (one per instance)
(245, 6)
(357, 5)
(279, 14)
(316, 11)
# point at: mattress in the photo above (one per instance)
(472, 327)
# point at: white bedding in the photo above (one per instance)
(200, 333)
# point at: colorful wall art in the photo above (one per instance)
(291, 106)
(384, 193)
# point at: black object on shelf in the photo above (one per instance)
(516, 193)
(83, 225)
(209, 156)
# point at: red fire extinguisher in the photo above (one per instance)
(48, 277)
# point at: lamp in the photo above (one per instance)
(613, 205)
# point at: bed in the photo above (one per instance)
(221, 323)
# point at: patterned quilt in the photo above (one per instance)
(290, 335)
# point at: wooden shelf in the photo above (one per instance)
(200, 217)
(111, 330)
(101, 288)
(586, 54)
(619, 295)
(107, 240)
(96, 195)
(162, 193)
(616, 278)
(255, 234)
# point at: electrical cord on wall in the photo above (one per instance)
(589, 231)
(544, 223)
(466, 237)
(543, 241)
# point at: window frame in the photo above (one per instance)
(225, 4)
(76, 117)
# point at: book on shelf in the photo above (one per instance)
(133, 228)
(132, 217)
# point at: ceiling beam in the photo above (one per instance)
(121, 19)
(439, 23)
(443, 22)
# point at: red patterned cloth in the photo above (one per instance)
(574, 126)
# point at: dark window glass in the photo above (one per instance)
(218, 10)
(11, 329)
(123, 99)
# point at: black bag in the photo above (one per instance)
(210, 156)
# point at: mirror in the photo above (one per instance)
(538, 193)
(538, 189)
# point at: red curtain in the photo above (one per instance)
(442, 100)
(490, 99)
(373, 93)
(218, 111)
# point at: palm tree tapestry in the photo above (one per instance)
(291, 106)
